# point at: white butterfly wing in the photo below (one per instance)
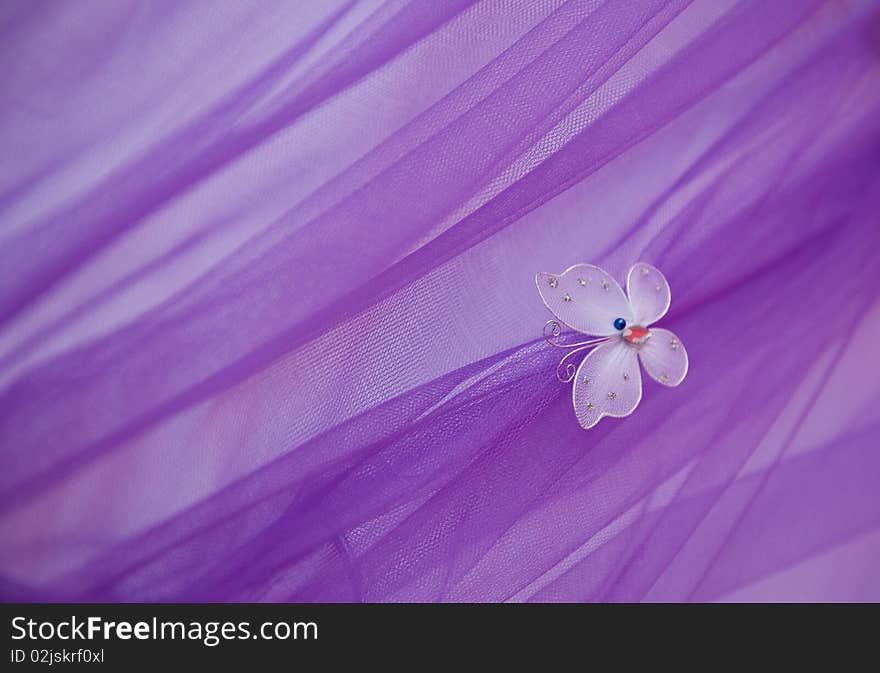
(664, 357)
(607, 383)
(648, 293)
(586, 298)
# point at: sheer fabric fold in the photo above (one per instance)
(268, 322)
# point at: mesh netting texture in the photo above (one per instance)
(269, 328)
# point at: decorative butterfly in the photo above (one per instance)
(587, 299)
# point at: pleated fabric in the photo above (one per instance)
(269, 328)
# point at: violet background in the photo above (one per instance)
(268, 322)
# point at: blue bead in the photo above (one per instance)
(620, 323)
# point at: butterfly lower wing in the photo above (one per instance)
(664, 357)
(586, 298)
(607, 383)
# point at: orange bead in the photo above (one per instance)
(636, 335)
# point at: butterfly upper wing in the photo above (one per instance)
(648, 293)
(664, 357)
(607, 383)
(586, 298)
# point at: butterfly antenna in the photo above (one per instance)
(565, 370)
(553, 330)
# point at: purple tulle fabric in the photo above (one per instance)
(268, 321)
